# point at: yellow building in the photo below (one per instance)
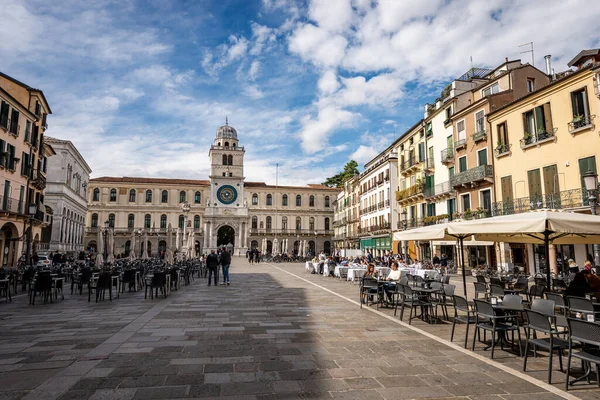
(543, 143)
(23, 154)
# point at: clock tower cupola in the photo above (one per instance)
(227, 169)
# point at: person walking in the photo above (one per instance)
(212, 265)
(225, 261)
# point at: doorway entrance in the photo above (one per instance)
(225, 236)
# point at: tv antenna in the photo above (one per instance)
(530, 50)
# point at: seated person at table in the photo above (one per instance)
(417, 264)
(579, 286)
(371, 273)
(393, 277)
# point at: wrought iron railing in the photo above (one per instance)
(460, 143)
(411, 162)
(448, 155)
(439, 189)
(501, 149)
(429, 163)
(581, 122)
(481, 135)
(410, 192)
(11, 205)
(472, 175)
(541, 136)
(566, 199)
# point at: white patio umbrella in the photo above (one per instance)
(169, 251)
(145, 243)
(177, 240)
(190, 244)
(275, 249)
(538, 227)
(100, 249)
(110, 242)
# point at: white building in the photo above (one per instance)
(67, 176)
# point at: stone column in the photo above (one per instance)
(552, 262)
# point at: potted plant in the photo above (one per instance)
(527, 137)
(499, 147)
(468, 214)
(577, 118)
(456, 215)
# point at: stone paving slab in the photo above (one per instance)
(272, 334)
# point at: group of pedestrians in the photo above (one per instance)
(213, 261)
(253, 256)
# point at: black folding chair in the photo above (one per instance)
(466, 316)
(588, 335)
(369, 288)
(488, 319)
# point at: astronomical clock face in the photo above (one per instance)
(227, 194)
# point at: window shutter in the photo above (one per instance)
(548, 118)
(574, 103)
(525, 126)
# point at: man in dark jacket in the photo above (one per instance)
(212, 265)
(225, 261)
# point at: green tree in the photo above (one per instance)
(350, 169)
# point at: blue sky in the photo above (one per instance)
(141, 87)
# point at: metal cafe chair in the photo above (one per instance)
(588, 335)
(540, 322)
(489, 320)
(466, 316)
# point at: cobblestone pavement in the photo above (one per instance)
(275, 333)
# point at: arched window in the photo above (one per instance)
(113, 194)
(130, 221)
(148, 196)
(147, 221)
(261, 225)
(226, 144)
(111, 220)
(94, 220)
(298, 223)
(311, 201)
(132, 196)
(182, 196)
(197, 198)
(298, 200)
(127, 247)
(268, 222)
(284, 200)
(164, 196)
(254, 199)
(284, 223)
(326, 224)
(181, 222)
(224, 159)
(230, 160)
(196, 222)
(326, 201)
(269, 200)
(96, 195)
(163, 221)
(311, 223)
(254, 222)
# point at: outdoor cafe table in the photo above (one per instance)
(425, 294)
(339, 269)
(356, 273)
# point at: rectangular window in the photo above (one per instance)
(38, 108)
(537, 123)
(21, 198)
(4, 115)
(451, 172)
(480, 121)
(507, 190)
(429, 129)
(421, 152)
(24, 164)
(6, 195)
(490, 90)
(27, 130)
(530, 85)
(460, 128)
(450, 208)
(502, 134)
(448, 113)
(534, 180)
(11, 157)
(462, 164)
(579, 104)
(466, 202)
(486, 200)
(14, 123)
(551, 180)
(482, 158)
(585, 165)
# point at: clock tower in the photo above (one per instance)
(226, 215)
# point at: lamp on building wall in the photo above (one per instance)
(590, 179)
(32, 211)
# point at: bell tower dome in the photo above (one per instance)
(227, 167)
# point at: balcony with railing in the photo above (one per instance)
(39, 180)
(581, 123)
(542, 136)
(429, 164)
(481, 135)
(214, 147)
(410, 165)
(567, 199)
(482, 173)
(448, 156)
(440, 190)
(502, 149)
(412, 193)
(290, 232)
(10, 205)
(460, 144)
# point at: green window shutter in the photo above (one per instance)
(585, 165)
(482, 157)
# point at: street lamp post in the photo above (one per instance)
(32, 210)
(315, 243)
(591, 185)
(404, 216)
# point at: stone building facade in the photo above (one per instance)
(221, 210)
(66, 194)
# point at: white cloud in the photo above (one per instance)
(254, 69)
(318, 45)
(331, 15)
(364, 154)
(262, 36)
(328, 83)
(314, 133)
(254, 92)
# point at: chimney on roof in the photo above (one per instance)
(506, 59)
(548, 65)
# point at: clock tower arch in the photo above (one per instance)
(226, 203)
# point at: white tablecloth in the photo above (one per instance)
(356, 273)
(339, 269)
(383, 271)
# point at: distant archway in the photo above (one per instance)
(225, 235)
(327, 247)
(254, 245)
